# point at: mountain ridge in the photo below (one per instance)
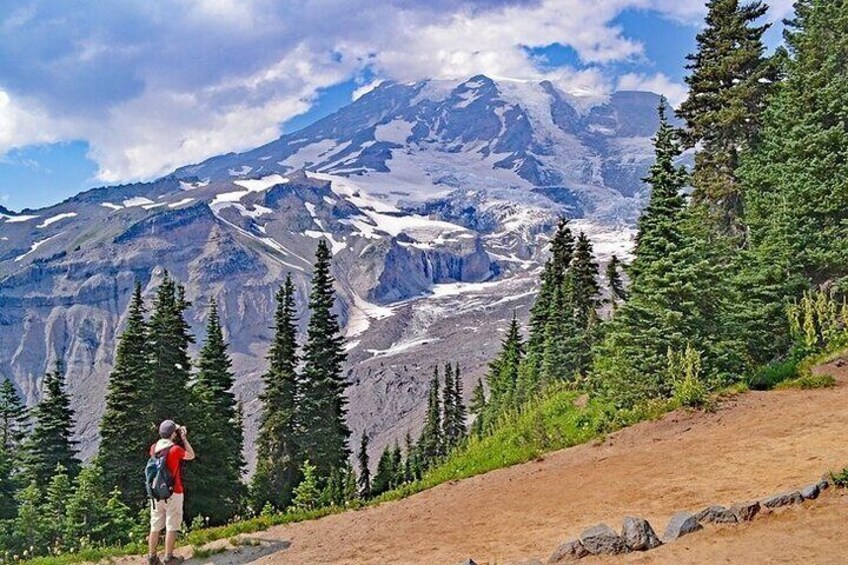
(437, 217)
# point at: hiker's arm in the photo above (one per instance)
(189, 450)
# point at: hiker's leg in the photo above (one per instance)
(170, 542)
(152, 543)
(157, 524)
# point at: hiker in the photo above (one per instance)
(166, 511)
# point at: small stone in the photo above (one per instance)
(468, 562)
(783, 499)
(716, 514)
(602, 539)
(681, 524)
(638, 535)
(569, 551)
(824, 483)
(745, 511)
(810, 492)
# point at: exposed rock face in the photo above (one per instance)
(435, 198)
(638, 534)
(783, 499)
(745, 511)
(716, 515)
(568, 551)
(681, 524)
(602, 540)
(810, 492)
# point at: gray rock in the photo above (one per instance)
(468, 562)
(716, 514)
(569, 551)
(745, 511)
(681, 524)
(783, 499)
(638, 534)
(823, 484)
(602, 540)
(810, 492)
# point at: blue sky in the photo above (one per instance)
(91, 97)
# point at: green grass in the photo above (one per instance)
(203, 553)
(840, 479)
(808, 382)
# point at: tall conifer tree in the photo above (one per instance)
(477, 407)
(278, 457)
(431, 442)
(364, 470)
(730, 79)
(322, 393)
(617, 292)
(125, 431)
(169, 338)
(216, 475)
(51, 441)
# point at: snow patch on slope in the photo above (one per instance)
(56, 218)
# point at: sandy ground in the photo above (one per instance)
(754, 445)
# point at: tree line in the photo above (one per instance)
(722, 250)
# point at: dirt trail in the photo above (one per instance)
(754, 445)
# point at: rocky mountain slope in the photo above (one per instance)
(436, 198)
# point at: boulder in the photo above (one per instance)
(638, 535)
(810, 492)
(602, 540)
(681, 524)
(569, 551)
(716, 514)
(745, 511)
(823, 484)
(783, 499)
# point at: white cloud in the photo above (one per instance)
(154, 85)
(658, 83)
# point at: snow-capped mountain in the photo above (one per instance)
(436, 198)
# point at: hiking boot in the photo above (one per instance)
(174, 560)
(154, 560)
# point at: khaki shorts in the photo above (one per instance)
(167, 514)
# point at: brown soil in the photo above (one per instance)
(754, 445)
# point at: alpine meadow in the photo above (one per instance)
(407, 316)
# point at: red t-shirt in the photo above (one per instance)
(174, 463)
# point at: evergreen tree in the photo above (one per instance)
(216, 475)
(563, 338)
(307, 494)
(125, 431)
(51, 441)
(322, 403)
(118, 522)
(453, 425)
(795, 177)
(478, 409)
(278, 453)
(30, 527)
(13, 417)
(411, 467)
(364, 470)
(56, 504)
(169, 338)
(386, 472)
(397, 466)
(431, 442)
(617, 293)
(677, 295)
(8, 485)
(86, 510)
(730, 79)
(460, 412)
(585, 292)
(503, 376)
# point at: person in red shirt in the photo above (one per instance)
(168, 514)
